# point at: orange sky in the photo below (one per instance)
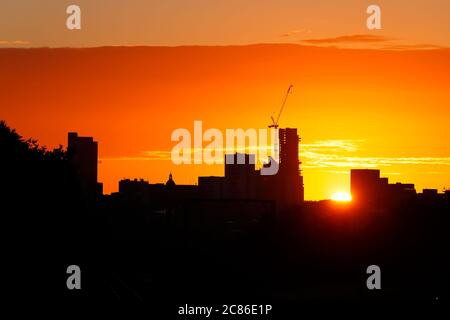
(40, 23)
(353, 108)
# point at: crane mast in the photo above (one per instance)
(275, 121)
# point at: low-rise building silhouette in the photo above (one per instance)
(369, 189)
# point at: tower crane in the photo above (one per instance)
(275, 121)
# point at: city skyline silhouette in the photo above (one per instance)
(164, 243)
(353, 108)
(244, 176)
(225, 159)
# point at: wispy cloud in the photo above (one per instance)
(355, 38)
(374, 41)
(347, 145)
(318, 160)
(295, 32)
(413, 47)
(335, 155)
(435, 172)
(13, 42)
(164, 155)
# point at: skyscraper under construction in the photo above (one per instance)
(290, 180)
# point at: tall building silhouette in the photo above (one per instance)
(290, 181)
(83, 159)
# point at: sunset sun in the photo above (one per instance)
(341, 196)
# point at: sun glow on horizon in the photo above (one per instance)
(341, 196)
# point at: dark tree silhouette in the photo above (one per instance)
(14, 147)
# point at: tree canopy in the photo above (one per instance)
(14, 147)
